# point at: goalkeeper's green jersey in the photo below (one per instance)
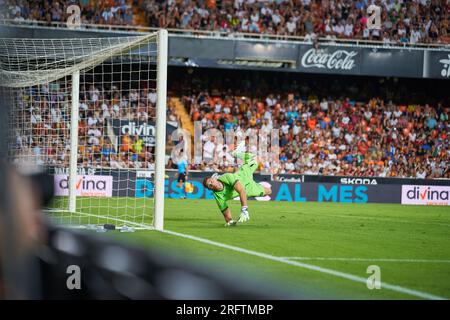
(228, 180)
(245, 177)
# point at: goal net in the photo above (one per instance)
(91, 111)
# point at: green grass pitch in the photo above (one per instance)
(410, 244)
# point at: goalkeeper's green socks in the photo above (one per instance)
(240, 154)
(244, 156)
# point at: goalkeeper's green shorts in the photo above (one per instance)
(252, 188)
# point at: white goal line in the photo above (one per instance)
(368, 259)
(135, 225)
(355, 216)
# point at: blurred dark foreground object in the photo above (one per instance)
(43, 183)
(111, 270)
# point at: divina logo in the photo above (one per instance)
(426, 193)
(143, 129)
(85, 184)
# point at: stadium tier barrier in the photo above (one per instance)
(293, 188)
(360, 59)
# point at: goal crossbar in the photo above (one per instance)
(67, 56)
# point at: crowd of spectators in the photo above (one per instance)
(42, 126)
(330, 136)
(319, 134)
(402, 21)
(112, 12)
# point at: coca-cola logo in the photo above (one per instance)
(340, 59)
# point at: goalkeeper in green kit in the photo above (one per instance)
(231, 185)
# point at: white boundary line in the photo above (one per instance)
(335, 273)
(442, 224)
(368, 259)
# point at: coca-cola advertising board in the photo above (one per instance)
(330, 60)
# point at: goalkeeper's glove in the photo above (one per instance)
(230, 223)
(244, 216)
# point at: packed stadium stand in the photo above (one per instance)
(337, 128)
(334, 128)
(418, 21)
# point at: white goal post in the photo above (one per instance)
(93, 112)
(161, 90)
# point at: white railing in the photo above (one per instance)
(224, 35)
